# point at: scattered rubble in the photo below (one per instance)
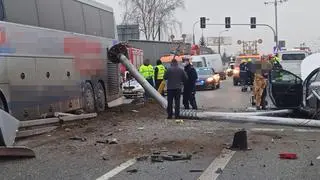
(77, 138)
(142, 158)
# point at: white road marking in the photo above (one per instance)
(118, 169)
(220, 162)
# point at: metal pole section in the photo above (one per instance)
(264, 25)
(219, 50)
(276, 21)
(144, 83)
(193, 35)
(259, 120)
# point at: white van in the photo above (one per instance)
(291, 60)
(210, 60)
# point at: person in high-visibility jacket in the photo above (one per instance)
(147, 71)
(159, 72)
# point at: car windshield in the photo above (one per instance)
(197, 64)
(203, 72)
(287, 57)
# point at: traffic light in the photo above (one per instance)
(202, 22)
(228, 22)
(253, 22)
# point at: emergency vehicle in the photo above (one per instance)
(236, 70)
(135, 55)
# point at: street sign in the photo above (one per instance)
(224, 41)
(282, 44)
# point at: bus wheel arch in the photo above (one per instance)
(101, 96)
(3, 102)
(88, 97)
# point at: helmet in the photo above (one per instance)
(243, 61)
(249, 60)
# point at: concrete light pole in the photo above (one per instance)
(276, 3)
(219, 40)
(193, 34)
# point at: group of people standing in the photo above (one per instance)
(177, 80)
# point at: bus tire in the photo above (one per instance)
(100, 98)
(89, 102)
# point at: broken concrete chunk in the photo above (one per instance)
(156, 159)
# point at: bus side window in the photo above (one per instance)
(2, 14)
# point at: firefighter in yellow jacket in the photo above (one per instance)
(260, 83)
(147, 71)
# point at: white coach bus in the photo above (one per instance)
(53, 57)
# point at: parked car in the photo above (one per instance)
(213, 61)
(207, 78)
(288, 91)
(131, 89)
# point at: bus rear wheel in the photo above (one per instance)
(101, 98)
(89, 102)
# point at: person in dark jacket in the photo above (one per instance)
(243, 74)
(189, 89)
(175, 77)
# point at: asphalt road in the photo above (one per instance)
(142, 130)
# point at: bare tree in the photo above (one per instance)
(152, 15)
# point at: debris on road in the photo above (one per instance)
(178, 157)
(103, 142)
(156, 159)
(77, 138)
(109, 134)
(276, 137)
(142, 158)
(135, 111)
(179, 121)
(288, 156)
(105, 158)
(240, 141)
(113, 141)
(195, 170)
(219, 171)
(140, 128)
(132, 171)
(311, 164)
(34, 132)
(67, 129)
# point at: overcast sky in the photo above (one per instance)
(298, 20)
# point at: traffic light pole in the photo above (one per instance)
(264, 25)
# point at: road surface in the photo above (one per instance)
(141, 130)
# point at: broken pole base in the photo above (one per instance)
(240, 141)
(16, 152)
